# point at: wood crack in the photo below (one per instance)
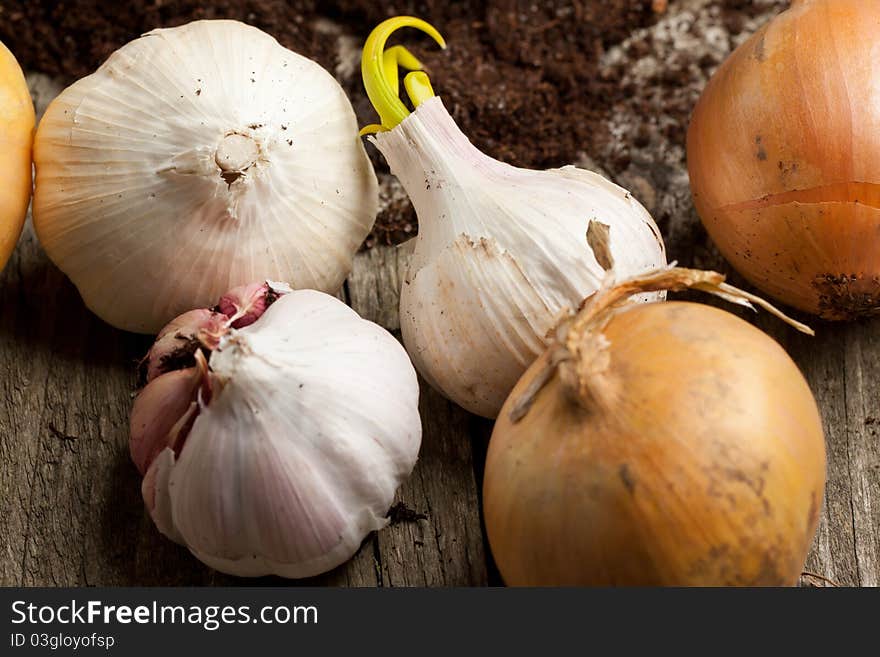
(848, 429)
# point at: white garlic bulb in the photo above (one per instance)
(501, 251)
(198, 158)
(301, 426)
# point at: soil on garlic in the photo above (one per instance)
(183, 357)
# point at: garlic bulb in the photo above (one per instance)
(195, 159)
(501, 251)
(276, 447)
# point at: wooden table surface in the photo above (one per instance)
(71, 507)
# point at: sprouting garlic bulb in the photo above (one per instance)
(274, 431)
(501, 251)
(195, 159)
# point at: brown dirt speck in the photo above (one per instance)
(182, 357)
(847, 296)
(402, 513)
(627, 478)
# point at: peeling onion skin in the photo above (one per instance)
(706, 466)
(195, 159)
(784, 158)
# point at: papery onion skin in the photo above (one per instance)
(704, 466)
(16, 139)
(784, 158)
(195, 159)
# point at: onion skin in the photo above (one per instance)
(16, 140)
(703, 463)
(784, 158)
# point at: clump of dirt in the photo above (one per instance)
(523, 81)
(847, 297)
(401, 513)
(662, 70)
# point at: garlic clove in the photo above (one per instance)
(245, 304)
(157, 413)
(177, 343)
(195, 159)
(155, 491)
(243, 492)
(457, 310)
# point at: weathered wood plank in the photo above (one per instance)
(842, 365)
(862, 358)
(62, 430)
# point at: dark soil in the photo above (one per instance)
(73, 38)
(522, 79)
(519, 77)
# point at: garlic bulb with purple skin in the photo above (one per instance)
(502, 252)
(274, 431)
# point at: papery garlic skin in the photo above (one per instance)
(195, 159)
(312, 426)
(501, 253)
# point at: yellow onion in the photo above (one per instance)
(16, 138)
(784, 157)
(656, 444)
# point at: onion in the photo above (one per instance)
(656, 444)
(784, 158)
(16, 138)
